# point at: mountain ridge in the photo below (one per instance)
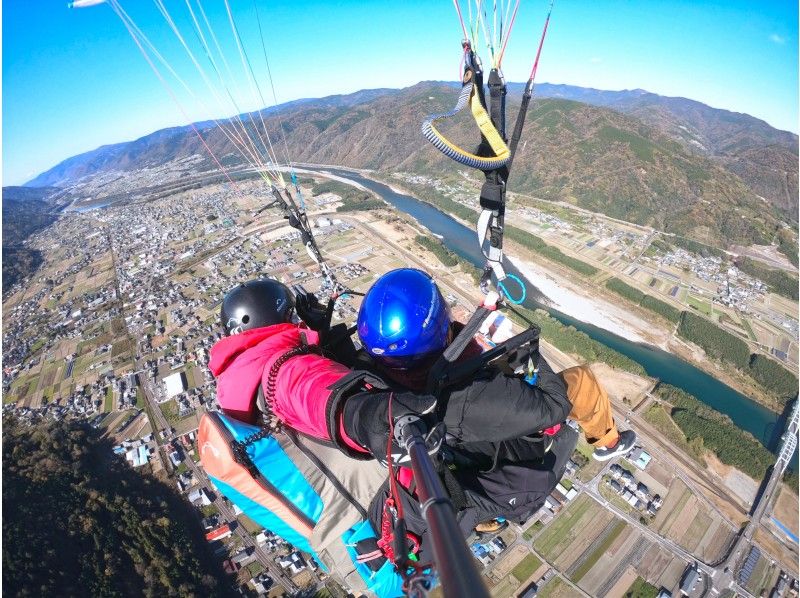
(629, 163)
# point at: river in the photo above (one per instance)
(762, 423)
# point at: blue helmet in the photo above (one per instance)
(404, 320)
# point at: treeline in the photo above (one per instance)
(720, 344)
(696, 247)
(537, 244)
(773, 377)
(353, 199)
(779, 281)
(570, 340)
(787, 245)
(648, 302)
(78, 521)
(732, 445)
(444, 255)
(714, 340)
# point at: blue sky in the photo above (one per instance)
(74, 80)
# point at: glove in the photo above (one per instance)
(311, 311)
(366, 420)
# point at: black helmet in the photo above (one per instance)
(255, 304)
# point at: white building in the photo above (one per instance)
(175, 384)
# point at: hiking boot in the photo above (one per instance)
(490, 527)
(624, 445)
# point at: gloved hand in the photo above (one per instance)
(366, 420)
(311, 311)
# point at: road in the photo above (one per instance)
(788, 446)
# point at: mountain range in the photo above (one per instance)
(676, 164)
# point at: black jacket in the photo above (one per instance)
(495, 406)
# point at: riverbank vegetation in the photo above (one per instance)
(353, 199)
(572, 341)
(772, 377)
(437, 248)
(717, 432)
(716, 342)
(648, 302)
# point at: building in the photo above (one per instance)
(480, 552)
(293, 563)
(243, 556)
(138, 456)
(262, 583)
(692, 582)
(664, 593)
(220, 533)
(571, 493)
(200, 497)
(640, 457)
(642, 491)
(175, 384)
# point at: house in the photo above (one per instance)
(210, 522)
(481, 553)
(220, 533)
(571, 493)
(664, 593)
(627, 496)
(640, 457)
(293, 563)
(616, 470)
(245, 555)
(531, 591)
(262, 583)
(615, 486)
(691, 583)
(175, 457)
(657, 501)
(642, 491)
(200, 497)
(552, 504)
(561, 489)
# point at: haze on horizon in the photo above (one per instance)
(74, 80)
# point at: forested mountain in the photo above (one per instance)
(764, 157)
(632, 166)
(25, 210)
(78, 521)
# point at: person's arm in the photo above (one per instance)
(497, 407)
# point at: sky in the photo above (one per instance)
(73, 79)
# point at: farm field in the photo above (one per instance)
(689, 522)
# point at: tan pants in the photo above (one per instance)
(590, 406)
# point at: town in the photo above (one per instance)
(115, 329)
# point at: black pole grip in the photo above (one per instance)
(454, 561)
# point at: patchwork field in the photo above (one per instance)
(689, 522)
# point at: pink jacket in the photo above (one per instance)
(241, 362)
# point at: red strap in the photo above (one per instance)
(552, 430)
